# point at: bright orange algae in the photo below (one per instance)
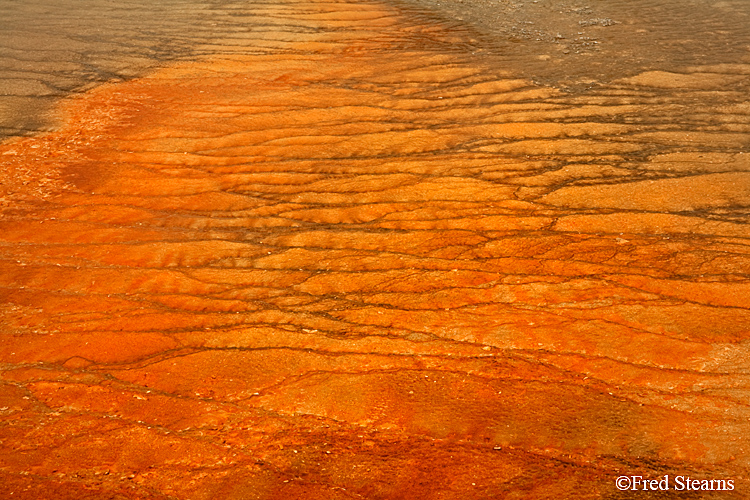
(355, 268)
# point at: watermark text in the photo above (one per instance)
(676, 483)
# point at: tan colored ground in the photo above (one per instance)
(353, 266)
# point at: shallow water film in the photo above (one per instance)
(365, 250)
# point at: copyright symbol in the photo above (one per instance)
(623, 483)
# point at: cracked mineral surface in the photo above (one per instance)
(341, 250)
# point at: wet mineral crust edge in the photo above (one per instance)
(351, 266)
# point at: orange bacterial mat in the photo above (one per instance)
(355, 265)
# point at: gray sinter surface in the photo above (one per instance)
(50, 50)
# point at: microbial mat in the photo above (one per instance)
(357, 250)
